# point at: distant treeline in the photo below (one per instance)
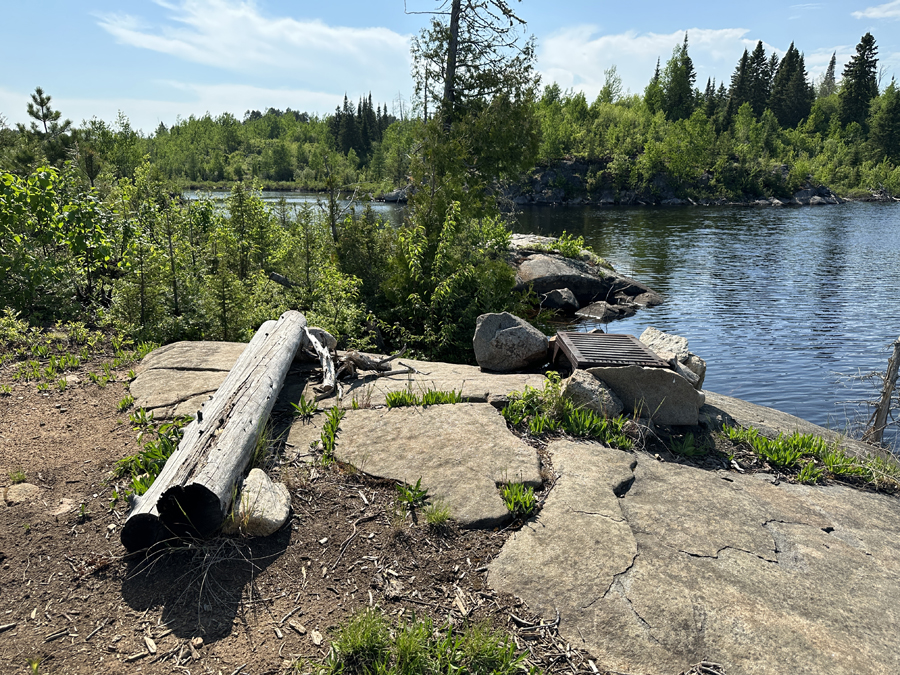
(770, 130)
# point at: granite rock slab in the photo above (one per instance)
(689, 565)
(460, 452)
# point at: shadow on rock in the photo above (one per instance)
(202, 585)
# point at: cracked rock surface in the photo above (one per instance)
(689, 564)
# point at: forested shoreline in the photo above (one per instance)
(94, 226)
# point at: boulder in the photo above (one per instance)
(647, 299)
(600, 311)
(262, 507)
(586, 391)
(545, 272)
(504, 342)
(561, 299)
(662, 395)
(659, 342)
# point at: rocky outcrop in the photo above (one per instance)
(572, 182)
(662, 395)
(586, 391)
(562, 300)
(503, 342)
(674, 350)
(460, 452)
(653, 567)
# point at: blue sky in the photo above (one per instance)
(157, 59)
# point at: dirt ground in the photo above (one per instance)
(72, 598)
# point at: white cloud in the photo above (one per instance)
(889, 10)
(234, 35)
(577, 56)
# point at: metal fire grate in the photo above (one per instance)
(593, 350)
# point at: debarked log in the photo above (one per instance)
(192, 494)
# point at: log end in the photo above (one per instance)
(141, 531)
(191, 511)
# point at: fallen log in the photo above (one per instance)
(192, 494)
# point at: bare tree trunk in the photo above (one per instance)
(879, 419)
(450, 70)
(192, 494)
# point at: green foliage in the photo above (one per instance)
(412, 495)
(687, 446)
(406, 398)
(142, 468)
(126, 402)
(437, 514)
(368, 645)
(329, 433)
(305, 409)
(17, 477)
(519, 499)
(546, 411)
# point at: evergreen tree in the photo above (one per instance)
(860, 84)
(739, 91)
(759, 80)
(46, 134)
(678, 84)
(827, 85)
(884, 134)
(653, 94)
(792, 95)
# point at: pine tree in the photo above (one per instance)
(884, 134)
(653, 94)
(827, 85)
(860, 83)
(759, 80)
(739, 92)
(792, 95)
(678, 84)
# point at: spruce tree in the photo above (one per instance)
(759, 80)
(827, 85)
(884, 134)
(792, 95)
(739, 92)
(678, 84)
(653, 94)
(860, 83)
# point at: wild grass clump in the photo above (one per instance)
(18, 476)
(368, 645)
(825, 460)
(329, 433)
(519, 499)
(407, 398)
(542, 412)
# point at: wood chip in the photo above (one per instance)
(8, 626)
(316, 638)
(151, 645)
(299, 627)
(278, 633)
(135, 657)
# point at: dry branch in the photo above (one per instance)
(879, 419)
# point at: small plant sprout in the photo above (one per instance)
(131, 374)
(810, 473)
(83, 513)
(5, 390)
(125, 403)
(687, 446)
(437, 514)
(412, 496)
(34, 665)
(141, 419)
(329, 433)
(61, 384)
(17, 477)
(519, 499)
(94, 377)
(305, 409)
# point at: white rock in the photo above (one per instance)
(262, 507)
(21, 492)
(586, 391)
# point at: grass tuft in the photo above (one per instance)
(519, 499)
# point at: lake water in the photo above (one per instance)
(782, 303)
